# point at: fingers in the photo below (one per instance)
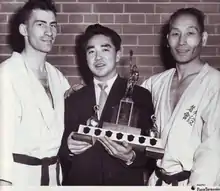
(127, 146)
(115, 148)
(79, 151)
(77, 147)
(106, 145)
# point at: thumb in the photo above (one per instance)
(125, 144)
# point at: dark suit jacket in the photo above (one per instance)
(95, 166)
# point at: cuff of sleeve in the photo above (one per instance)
(132, 159)
(5, 171)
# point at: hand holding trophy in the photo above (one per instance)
(124, 127)
(91, 122)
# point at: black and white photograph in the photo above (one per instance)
(106, 94)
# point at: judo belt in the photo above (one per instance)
(44, 162)
(171, 179)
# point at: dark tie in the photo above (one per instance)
(103, 97)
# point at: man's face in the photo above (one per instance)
(102, 57)
(185, 39)
(41, 30)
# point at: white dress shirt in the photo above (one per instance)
(109, 83)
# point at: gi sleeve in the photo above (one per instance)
(7, 125)
(206, 164)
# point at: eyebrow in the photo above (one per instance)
(107, 45)
(174, 28)
(42, 21)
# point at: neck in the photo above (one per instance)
(184, 70)
(106, 78)
(34, 59)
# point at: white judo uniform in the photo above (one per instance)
(190, 134)
(28, 123)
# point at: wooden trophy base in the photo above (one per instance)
(152, 146)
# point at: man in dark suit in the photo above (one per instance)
(106, 162)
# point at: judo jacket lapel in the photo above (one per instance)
(31, 88)
(186, 105)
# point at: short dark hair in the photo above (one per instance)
(26, 10)
(98, 29)
(15, 39)
(199, 15)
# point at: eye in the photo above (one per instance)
(40, 24)
(54, 26)
(105, 50)
(174, 33)
(191, 33)
(90, 51)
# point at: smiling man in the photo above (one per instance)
(187, 107)
(32, 102)
(106, 162)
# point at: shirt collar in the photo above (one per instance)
(109, 82)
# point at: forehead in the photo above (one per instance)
(98, 40)
(185, 21)
(38, 14)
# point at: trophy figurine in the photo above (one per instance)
(91, 122)
(126, 106)
(154, 131)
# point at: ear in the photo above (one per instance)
(23, 29)
(118, 55)
(167, 40)
(204, 38)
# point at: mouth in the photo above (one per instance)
(99, 65)
(182, 51)
(48, 41)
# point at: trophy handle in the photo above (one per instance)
(155, 131)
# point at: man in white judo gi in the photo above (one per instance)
(32, 103)
(187, 107)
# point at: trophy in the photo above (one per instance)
(123, 123)
(126, 114)
(126, 106)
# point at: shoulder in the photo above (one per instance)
(160, 76)
(10, 62)
(11, 66)
(213, 73)
(79, 95)
(212, 77)
(158, 80)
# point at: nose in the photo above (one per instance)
(182, 39)
(97, 55)
(48, 30)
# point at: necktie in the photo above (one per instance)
(103, 97)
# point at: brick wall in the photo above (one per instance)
(137, 21)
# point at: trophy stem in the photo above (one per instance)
(124, 115)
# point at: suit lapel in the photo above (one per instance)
(90, 99)
(115, 95)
